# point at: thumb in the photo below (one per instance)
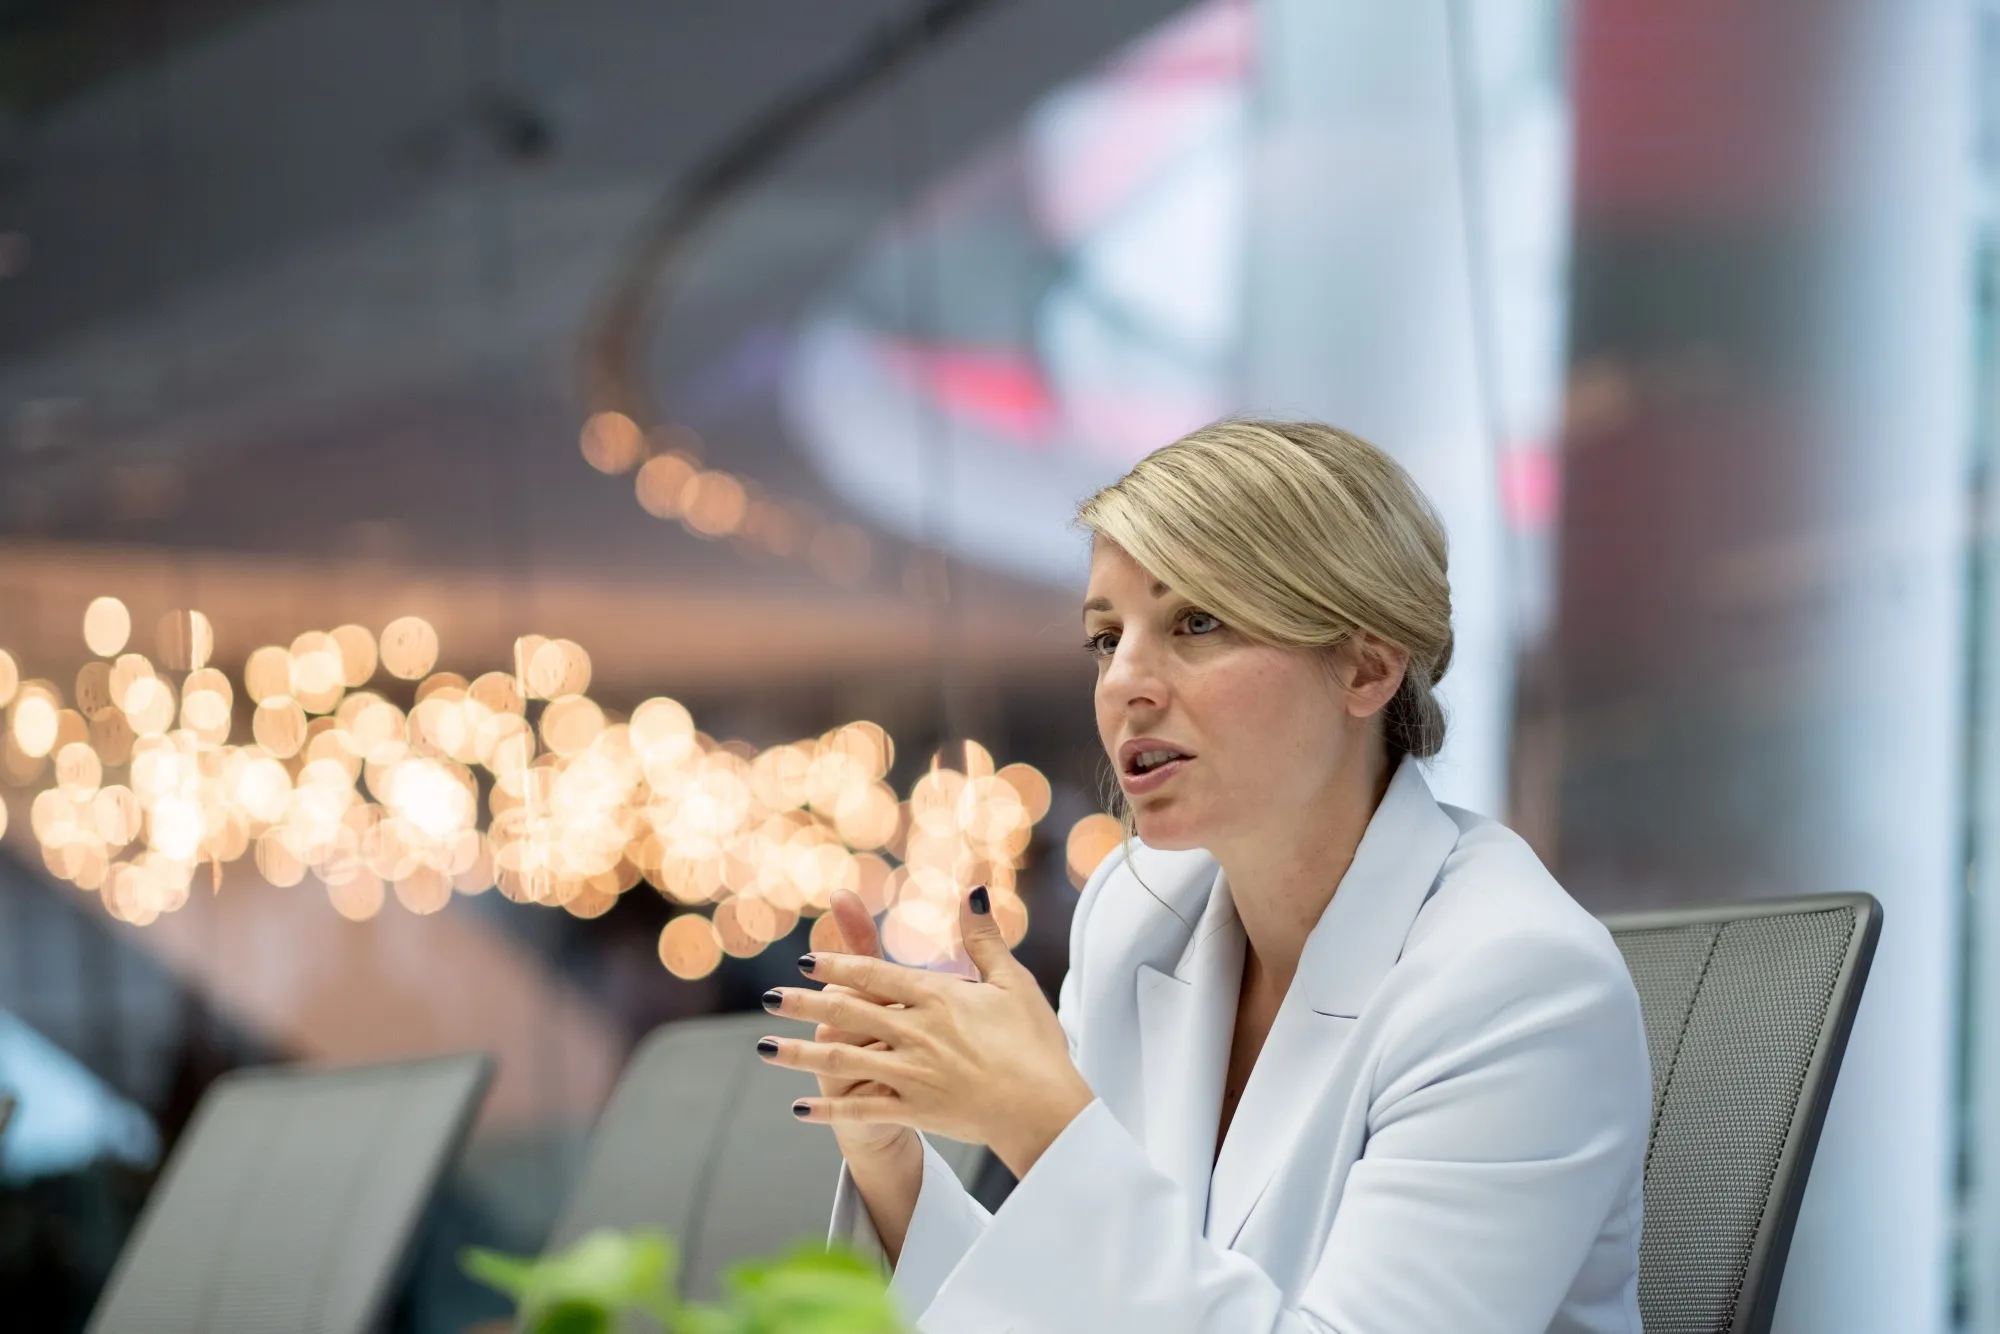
(983, 941)
(856, 924)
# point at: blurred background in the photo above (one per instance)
(504, 506)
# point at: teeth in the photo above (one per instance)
(1150, 759)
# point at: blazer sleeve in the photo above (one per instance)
(1507, 1127)
(947, 1220)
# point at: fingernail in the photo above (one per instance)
(801, 1109)
(805, 963)
(767, 1046)
(773, 999)
(979, 903)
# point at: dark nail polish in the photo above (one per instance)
(801, 1109)
(980, 905)
(773, 999)
(805, 963)
(767, 1046)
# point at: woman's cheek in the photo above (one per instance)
(1107, 724)
(1251, 711)
(1270, 738)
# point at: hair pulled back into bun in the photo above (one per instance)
(1298, 534)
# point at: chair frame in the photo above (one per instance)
(581, 1213)
(1757, 1302)
(382, 1297)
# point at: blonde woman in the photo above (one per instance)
(1330, 1056)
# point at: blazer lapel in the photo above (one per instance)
(1352, 947)
(1187, 1019)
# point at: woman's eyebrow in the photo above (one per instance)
(1101, 603)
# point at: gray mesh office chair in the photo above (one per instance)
(291, 1201)
(1747, 1011)
(699, 1139)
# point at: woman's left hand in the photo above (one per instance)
(982, 1061)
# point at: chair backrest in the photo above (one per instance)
(292, 1199)
(1747, 1011)
(699, 1139)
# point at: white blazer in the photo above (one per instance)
(1443, 1134)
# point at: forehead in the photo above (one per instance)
(1117, 579)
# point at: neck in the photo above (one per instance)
(1282, 875)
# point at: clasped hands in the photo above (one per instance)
(984, 1061)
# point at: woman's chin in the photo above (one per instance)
(1167, 832)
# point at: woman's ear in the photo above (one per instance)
(1374, 673)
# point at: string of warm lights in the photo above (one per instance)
(582, 805)
(671, 483)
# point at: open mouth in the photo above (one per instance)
(1146, 761)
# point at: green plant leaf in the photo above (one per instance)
(588, 1288)
(812, 1289)
(509, 1273)
(700, 1318)
(600, 1277)
(573, 1318)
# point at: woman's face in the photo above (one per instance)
(1215, 736)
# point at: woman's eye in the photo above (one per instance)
(1102, 644)
(1202, 623)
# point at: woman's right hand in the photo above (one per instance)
(858, 936)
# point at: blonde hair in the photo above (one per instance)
(1297, 534)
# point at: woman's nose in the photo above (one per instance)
(1134, 676)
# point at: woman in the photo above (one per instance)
(1330, 1056)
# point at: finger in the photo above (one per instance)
(828, 1033)
(851, 991)
(842, 1010)
(833, 1060)
(983, 941)
(857, 926)
(861, 1109)
(876, 977)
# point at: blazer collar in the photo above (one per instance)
(1187, 1021)
(1361, 933)
(1187, 1017)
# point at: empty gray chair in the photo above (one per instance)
(291, 1201)
(699, 1139)
(1747, 1011)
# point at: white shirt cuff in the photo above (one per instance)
(945, 1223)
